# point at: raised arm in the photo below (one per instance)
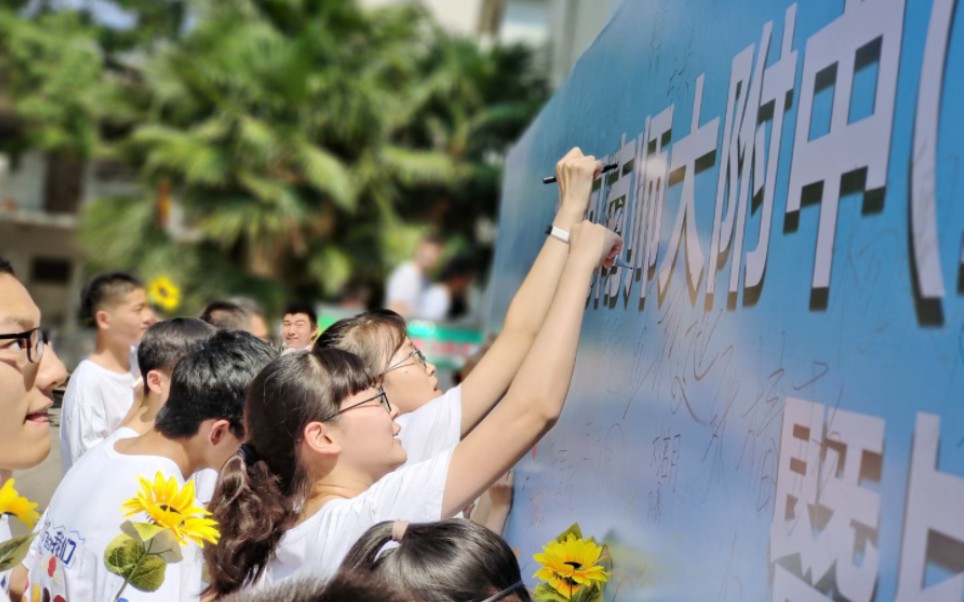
(535, 399)
(486, 384)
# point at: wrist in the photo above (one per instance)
(583, 259)
(566, 217)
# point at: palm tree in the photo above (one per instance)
(304, 140)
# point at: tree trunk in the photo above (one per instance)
(63, 182)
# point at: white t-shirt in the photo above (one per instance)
(95, 402)
(433, 428)
(435, 303)
(204, 482)
(317, 546)
(405, 285)
(85, 514)
(5, 534)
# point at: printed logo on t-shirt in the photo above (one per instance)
(62, 544)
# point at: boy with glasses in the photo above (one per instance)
(29, 371)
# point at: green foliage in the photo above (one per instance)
(53, 82)
(128, 558)
(13, 550)
(306, 142)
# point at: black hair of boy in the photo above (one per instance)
(226, 315)
(107, 288)
(458, 266)
(166, 342)
(211, 382)
(303, 308)
(6, 268)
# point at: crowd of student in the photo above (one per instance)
(335, 471)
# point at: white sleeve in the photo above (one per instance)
(433, 428)
(89, 429)
(83, 426)
(434, 304)
(205, 481)
(404, 285)
(413, 493)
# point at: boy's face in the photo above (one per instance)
(25, 386)
(129, 318)
(297, 330)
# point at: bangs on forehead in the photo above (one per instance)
(348, 375)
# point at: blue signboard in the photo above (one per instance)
(770, 404)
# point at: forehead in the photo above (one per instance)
(298, 316)
(136, 296)
(17, 309)
(406, 347)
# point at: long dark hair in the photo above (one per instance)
(261, 488)
(374, 336)
(346, 587)
(446, 561)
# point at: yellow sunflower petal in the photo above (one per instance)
(11, 502)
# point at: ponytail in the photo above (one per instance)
(264, 485)
(252, 513)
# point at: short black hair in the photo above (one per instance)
(226, 315)
(247, 304)
(6, 268)
(460, 265)
(106, 288)
(211, 382)
(165, 343)
(302, 308)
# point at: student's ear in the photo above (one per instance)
(155, 381)
(318, 437)
(102, 319)
(219, 430)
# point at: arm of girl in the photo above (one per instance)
(489, 380)
(535, 399)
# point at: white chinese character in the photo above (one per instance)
(700, 142)
(777, 83)
(935, 512)
(650, 174)
(923, 208)
(872, 29)
(822, 516)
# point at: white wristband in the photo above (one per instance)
(558, 233)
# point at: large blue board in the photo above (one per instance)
(771, 405)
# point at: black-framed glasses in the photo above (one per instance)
(382, 398)
(419, 359)
(32, 341)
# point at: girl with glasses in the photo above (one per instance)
(431, 420)
(319, 465)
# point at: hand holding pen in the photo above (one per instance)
(575, 174)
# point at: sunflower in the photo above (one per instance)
(570, 565)
(172, 508)
(163, 292)
(13, 503)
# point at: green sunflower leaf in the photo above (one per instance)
(149, 576)
(128, 558)
(545, 593)
(574, 529)
(122, 553)
(13, 551)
